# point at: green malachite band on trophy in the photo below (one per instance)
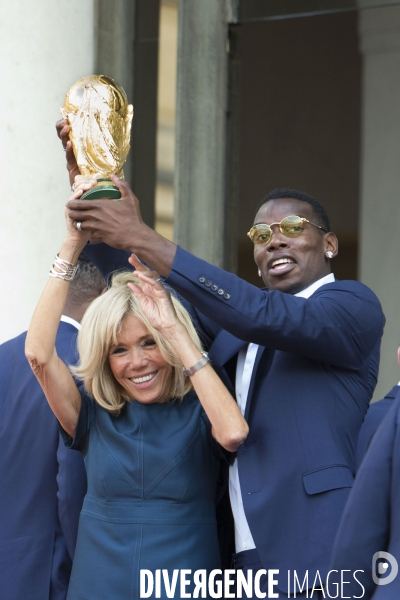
(104, 188)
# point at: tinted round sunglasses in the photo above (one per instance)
(290, 226)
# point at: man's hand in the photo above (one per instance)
(115, 222)
(119, 224)
(63, 129)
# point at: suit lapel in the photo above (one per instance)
(224, 347)
(262, 364)
(223, 356)
(393, 392)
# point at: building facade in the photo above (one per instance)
(232, 99)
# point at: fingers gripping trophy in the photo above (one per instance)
(100, 118)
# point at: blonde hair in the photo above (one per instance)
(99, 331)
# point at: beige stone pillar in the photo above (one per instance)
(44, 47)
(380, 176)
(200, 167)
(127, 50)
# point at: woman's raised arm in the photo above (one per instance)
(229, 427)
(53, 375)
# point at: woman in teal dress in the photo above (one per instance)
(153, 421)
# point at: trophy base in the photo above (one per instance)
(104, 188)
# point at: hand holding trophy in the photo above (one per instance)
(100, 118)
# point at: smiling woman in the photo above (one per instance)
(123, 357)
(138, 365)
(150, 416)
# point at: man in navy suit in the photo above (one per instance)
(302, 354)
(303, 357)
(370, 522)
(374, 417)
(38, 529)
(371, 519)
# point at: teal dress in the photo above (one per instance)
(152, 479)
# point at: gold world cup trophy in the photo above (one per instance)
(100, 118)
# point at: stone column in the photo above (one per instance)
(115, 38)
(44, 47)
(380, 176)
(127, 50)
(200, 167)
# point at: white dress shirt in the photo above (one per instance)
(244, 369)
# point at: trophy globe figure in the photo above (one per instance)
(100, 118)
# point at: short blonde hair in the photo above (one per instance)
(99, 331)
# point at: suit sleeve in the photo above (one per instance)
(365, 525)
(340, 324)
(72, 485)
(374, 417)
(109, 260)
(60, 567)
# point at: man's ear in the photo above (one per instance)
(331, 244)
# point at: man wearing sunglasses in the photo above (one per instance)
(302, 355)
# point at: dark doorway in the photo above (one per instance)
(300, 113)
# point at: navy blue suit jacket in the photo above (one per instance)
(314, 376)
(374, 417)
(35, 533)
(371, 520)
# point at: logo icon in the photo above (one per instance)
(380, 568)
